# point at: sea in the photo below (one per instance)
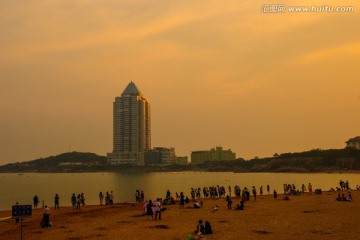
(15, 187)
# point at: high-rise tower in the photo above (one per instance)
(132, 127)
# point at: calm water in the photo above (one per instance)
(22, 188)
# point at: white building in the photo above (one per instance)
(353, 142)
(131, 127)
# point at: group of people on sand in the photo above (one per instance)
(109, 198)
(342, 197)
(139, 196)
(78, 201)
(36, 202)
(153, 209)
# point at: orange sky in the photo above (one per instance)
(216, 73)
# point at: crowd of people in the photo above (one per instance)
(153, 209)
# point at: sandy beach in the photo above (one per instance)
(303, 217)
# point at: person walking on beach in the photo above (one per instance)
(101, 197)
(57, 201)
(36, 201)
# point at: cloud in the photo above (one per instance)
(348, 49)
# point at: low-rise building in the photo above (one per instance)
(353, 142)
(160, 155)
(182, 160)
(215, 154)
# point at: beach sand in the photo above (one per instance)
(303, 217)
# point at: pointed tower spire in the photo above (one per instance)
(131, 89)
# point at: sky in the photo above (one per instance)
(217, 73)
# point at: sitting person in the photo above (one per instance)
(215, 208)
(200, 228)
(196, 204)
(343, 198)
(338, 198)
(240, 206)
(286, 197)
(208, 229)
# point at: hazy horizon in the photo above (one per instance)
(216, 73)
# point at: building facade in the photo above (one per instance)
(353, 142)
(215, 154)
(131, 127)
(160, 155)
(182, 160)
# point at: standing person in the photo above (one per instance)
(157, 206)
(149, 210)
(111, 198)
(254, 192)
(107, 198)
(229, 201)
(57, 201)
(310, 188)
(182, 200)
(142, 195)
(78, 202)
(275, 194)
(229, 190)
(36, 201)
(46, 217)
(101, 197)
(73, 201)
(261, 190)
(268, 189)
(303, 188)
(82, 199)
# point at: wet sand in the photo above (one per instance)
(303, 217)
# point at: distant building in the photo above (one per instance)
(131, 127)
(160, 155)
(182, 160)
(353, 142)
(215, 154)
